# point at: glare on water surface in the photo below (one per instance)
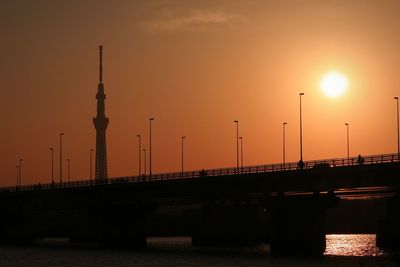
(352, 245)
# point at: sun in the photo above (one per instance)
(334, 84)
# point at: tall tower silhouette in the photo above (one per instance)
(100, 123)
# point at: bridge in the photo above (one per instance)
(279, 204)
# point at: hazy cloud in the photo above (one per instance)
(189, 19)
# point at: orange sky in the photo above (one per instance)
(196, 66)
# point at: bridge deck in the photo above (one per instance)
(256, 169)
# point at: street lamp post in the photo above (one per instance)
(17, 175)
(284, 144)
(348, 144)
(20, 171)
(91, 165)
(301, 133)
(144, 161)
(52, 165)
(69, 170)
(237, 145)
(398, 132)
(182, 138)
(150, 170)
(140, 154)
(241, 153)
(61, 135)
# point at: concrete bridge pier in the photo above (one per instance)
(297, 223)
(123, 226)
(231, 224)
(388, 234)
(84, 225)
(21, 221)
(113, 225)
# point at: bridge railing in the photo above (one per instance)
(290, 166)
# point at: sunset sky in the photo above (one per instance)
(195, 66)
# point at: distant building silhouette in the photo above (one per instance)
(101, 123)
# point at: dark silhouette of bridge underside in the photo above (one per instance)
(114, 211)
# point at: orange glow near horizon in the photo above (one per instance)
(195, 67)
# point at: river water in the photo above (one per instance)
(342, 250)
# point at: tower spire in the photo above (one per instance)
(100, 123)
(101, 64)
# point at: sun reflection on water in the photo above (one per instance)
(352, 245)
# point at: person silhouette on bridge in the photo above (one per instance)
(360, 160)
(203, 172)
(300, 164)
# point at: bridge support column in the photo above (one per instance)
(123, 226)
(388, 235)
(85, 225)
(21, 221)
(297, 223)
(113, 225)
(230, 224)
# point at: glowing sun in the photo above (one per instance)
(334, 84)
